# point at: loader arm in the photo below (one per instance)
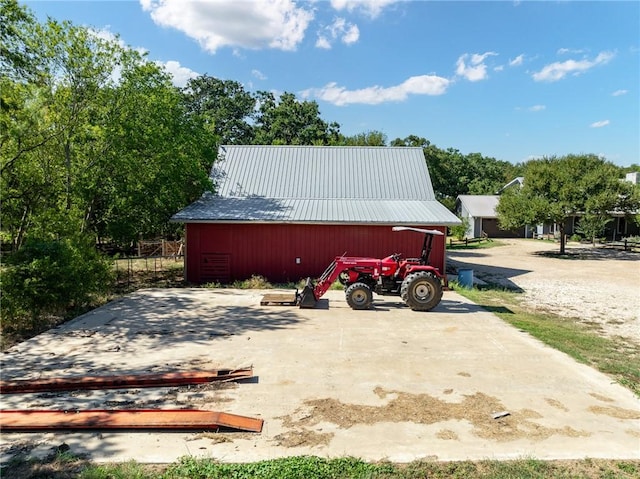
(311, 293)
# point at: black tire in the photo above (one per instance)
(359, 296)
(421, 291)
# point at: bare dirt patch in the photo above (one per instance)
(616, 412)
(478, 409)
(596, 286)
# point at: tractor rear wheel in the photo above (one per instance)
(359, 296)
(421, 291)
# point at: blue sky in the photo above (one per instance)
(511, 79)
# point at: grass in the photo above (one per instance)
(453, 244)
(615, 357)
(312, 467)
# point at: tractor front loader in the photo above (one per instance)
(413, 279)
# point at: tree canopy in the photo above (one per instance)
(558, 188)
(95, 139)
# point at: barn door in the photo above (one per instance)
(215, 267)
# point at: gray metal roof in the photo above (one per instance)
(480, 206)
(316, 184)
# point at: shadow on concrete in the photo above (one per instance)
(591, 254)
(137, 322)
(492, 275)
(465, 254)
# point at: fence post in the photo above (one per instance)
(625, 244)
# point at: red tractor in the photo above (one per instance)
(413, 279)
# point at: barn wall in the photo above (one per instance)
(225, 252)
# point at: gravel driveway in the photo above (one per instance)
(597, 286)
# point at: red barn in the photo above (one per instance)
(285, 212)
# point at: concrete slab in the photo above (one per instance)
(387, 383)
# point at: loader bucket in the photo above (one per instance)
(307, 298)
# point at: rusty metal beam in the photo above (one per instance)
(180, 419)
(122, 381)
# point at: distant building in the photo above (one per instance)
(480, 210)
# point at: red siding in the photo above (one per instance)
(271, 250)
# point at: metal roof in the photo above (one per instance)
(322, 184)
(480, 206)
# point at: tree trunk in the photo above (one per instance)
(67, 158)
(21, 230)
(562, 238)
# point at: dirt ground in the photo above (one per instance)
(597, 286)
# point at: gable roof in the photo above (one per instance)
(311, 184)
(480, 206)
(518, 180)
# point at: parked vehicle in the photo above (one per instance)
(413, 279)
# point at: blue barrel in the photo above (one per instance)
(465, 278)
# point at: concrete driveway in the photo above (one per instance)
(387, 383)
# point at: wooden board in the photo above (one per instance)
(279, 299)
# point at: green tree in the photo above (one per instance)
(460, 231)
(49, 128)
(592, 225)
(49, 277)
(558, 188)
(369, 138)
(156, 161)
(224, 105)
(287, 121)
(411, 140)
(17, 53)
(100, 142)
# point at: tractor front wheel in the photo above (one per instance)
(421, 291)
(359, 296)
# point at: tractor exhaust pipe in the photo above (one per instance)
(307, 298)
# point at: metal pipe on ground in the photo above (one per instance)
(176, 419)
(122, 381)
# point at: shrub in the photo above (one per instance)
(255, 282)
(460, 231)
(49, 277)
(576, 238)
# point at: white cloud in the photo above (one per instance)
(181, 75)
(258, 74)
(418, 85)
(620, 92)
(472, 66)
(372, 8)
(252, 24)
(323, 42)
(537, 108)
(517, 61)
(347, 32)
(108, 35)
(558, 70)
(599, 124)
(564, 51)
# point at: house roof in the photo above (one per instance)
(480, 206)
(518, 180)
(320, 184)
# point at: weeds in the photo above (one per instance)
(312, 467)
